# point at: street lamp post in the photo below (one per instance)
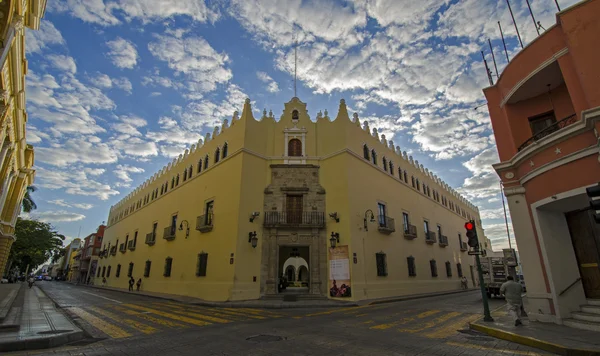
(371, 220)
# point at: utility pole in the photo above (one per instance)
(487, 316)
(473, 241)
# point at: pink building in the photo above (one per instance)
(545, 111)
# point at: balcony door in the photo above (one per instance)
(541, 122)
(293, 207)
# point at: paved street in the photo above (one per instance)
(129, 324)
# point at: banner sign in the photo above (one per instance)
(339, 272)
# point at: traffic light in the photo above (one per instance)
(594, 192)
(471, 234)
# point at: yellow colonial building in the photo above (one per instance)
(326, 205)
(16, 156)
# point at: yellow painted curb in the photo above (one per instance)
(532, 342)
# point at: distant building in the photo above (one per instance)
(302, 186)
(70, 255)
(88, 261)
(545, 111)
(16, 156)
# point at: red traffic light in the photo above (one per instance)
(469, 225)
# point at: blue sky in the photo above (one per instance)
(117, 88)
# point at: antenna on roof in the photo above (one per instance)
(557, 6)
(487, 69)
(513, 18)
(503, 42)
(493, 58)
(532, 17)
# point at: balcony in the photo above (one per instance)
(113, 250)
(294, 219)
(131, 245)
(204, 223)
(549, 130)
(430, 237)
(385, 224)
(169, 233)
(150, 239)
(122, 248)
(464, 246)
(410, 232)
(443, 241)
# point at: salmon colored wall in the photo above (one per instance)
(563, 178)
(519, 113)
(581, 28)
(504, 139)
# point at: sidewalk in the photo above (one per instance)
(40, 324)
(8, 293)
(558, 339)
(322, 302)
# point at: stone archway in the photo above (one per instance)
(303, 275)
(290, 273)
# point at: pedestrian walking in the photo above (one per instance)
(514, 302)
(138, 284)
(131, 283)
(103, 281)
(464, 283)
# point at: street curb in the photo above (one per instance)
(418, 296)
(6, 308)
(233, 304)
(41, 343)
(532, 342)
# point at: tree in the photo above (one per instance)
(28, 203)
(35, 243)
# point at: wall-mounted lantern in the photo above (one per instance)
(335, 216)
(365, 219)
(252, 239)
(187, 229)
(335, 238)
(254, 215)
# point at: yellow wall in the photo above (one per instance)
(237, 185)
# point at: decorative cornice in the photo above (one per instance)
(508, 191)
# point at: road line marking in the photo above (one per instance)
(339, 310)
(168, 315)
(405, 320)
(212, 311)
(452, 328)
(432, 323)
(503, 351)
(108, 329)
(147, 317)
(258, 312)
(99, 296)
(141, 327)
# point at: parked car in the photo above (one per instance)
(4, 280)
(47, 278)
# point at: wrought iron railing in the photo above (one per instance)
(204, 223)
(150, 239)
(410, 231)
(548, 130)
(122, 247)
(113, 250)
(443, 240)
(301, 218)
(169, 233)
(430, 237)
(464, 246)
(385, 224)
(131, 245)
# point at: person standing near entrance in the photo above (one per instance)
(512, 292)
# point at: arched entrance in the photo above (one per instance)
(293, 261)
(290, 273)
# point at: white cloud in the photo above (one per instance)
(74, 181)
(57, 216)
(123, 53)
(155, 94)
(94, 171)
(122, 172)
(102, 81)
(61, 202)
(76, 150)
(272, 86)
(46, 36)
(123, 83)
(103, 12)
(482, 163)
(62, 62)
(129, 125)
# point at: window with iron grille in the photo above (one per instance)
(405, 177)
(385, 166)
(200, 165)
(374, 156)
(380, 259)
(448, 269)
(412, 268)
(185, 174)
(172, 182)
(295, 148)
(168, 264)
(177, 180)
(108, 272)
(413, 181)
(190, 171)
(391, 168)
(103, 271)
(118, 272)
(224, 154)
(130, 270)
(147, 268)
(202, 263)
(433, 266)
(206, 162)
(459, 270)
(366, 152)
(217, 155)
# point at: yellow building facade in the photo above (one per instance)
(16, 156)
(261, 201)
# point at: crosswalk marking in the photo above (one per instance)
(169, 315)
(150, 318)
(108, 329)
(405, 320)
(451, 329)
(258, 312)
(210, 311)
(200, 316)
(432, 323)
(146, 329)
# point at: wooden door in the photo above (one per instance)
(585, 235)
(294, 209)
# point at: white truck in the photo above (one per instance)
(495, 272)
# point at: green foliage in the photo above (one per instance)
(35, 243)
(28, 203)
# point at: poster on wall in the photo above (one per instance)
(339, 272)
